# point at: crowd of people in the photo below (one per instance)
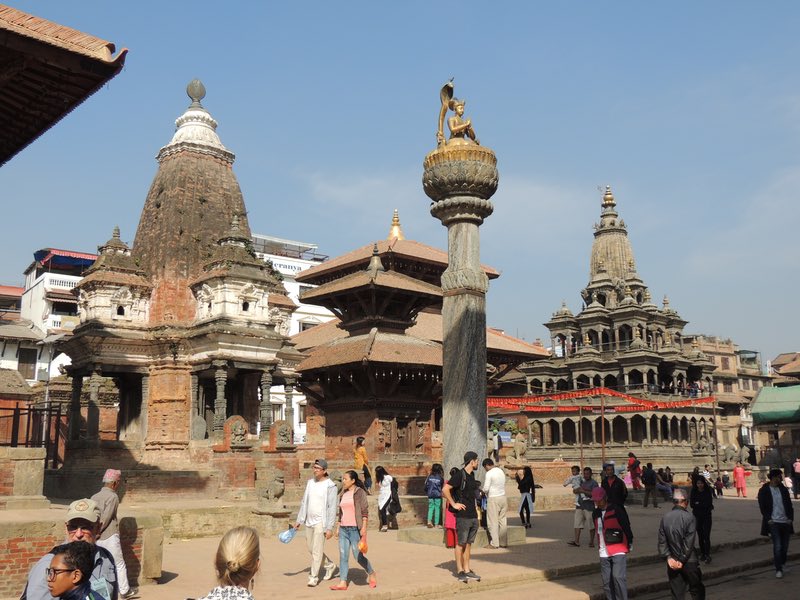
(89, 565)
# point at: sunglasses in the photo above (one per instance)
(51, 573)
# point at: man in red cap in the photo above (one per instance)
(615, 541)
(108, 502)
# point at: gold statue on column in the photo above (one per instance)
(460, 128)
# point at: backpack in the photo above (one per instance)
(649, 477)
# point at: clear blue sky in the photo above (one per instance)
(691, 111)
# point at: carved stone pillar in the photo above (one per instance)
(265, 406)
(460, 177)
(560, 433)
(145, 404)
(610, 437)
(220, 403)
(647, 429)
(288, 392)
(628, 428)
(75, 407)
(93, 410)
(196, 408)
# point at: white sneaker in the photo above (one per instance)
(778, 574)
(329, 571)
(312, 582)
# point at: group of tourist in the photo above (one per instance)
(90, 566)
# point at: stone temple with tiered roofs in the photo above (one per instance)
(191, 328)
(625, 349)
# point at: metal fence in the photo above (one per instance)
(34, 427)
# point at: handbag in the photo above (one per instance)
(612, 535)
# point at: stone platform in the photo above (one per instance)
(436, 537)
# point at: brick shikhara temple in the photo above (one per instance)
(191, 327)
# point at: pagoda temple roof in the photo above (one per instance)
(374, 347)
(359, 258)
(428, 327)
(37, 54)
(363, 279)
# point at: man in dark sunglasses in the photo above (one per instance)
(82, 524)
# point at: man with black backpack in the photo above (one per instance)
(461, 492)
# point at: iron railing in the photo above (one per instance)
(24, 426)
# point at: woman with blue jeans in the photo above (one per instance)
(352, 528)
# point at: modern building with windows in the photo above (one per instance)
(290, 258)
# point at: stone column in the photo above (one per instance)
(93, 410)
(75, 406)
(560, 433)
(288, 392)
(195, 395)
(145, 404)
(628, 427)
(610, 432)
(647, 429)
(220, 403)
(460, 177)
(265, 407)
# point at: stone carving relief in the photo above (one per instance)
(238, 434)
(204, 302)
(275, 488)
(421, 427)
(280, 319)
(284, 435)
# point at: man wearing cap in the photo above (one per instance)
(461, 492)
(82, 524)
(614, 541)
(318, 513)
(676, 537)
(108, 502)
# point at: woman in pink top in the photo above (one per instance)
(352, 528)
(739, 480)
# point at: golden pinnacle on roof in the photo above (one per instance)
(395, 231)
(608, 197)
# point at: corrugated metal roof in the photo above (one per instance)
(776, 405)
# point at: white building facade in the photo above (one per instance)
(290, 258)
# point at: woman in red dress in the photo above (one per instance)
(739, 480)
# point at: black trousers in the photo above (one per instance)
(704, 533)
(689, 577)
(383, 514)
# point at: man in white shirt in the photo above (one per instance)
(496, 505)
(318, 513)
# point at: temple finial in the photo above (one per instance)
(196, 91)
(375, 264)
(608, 197)
(115, 234)
(395, 231)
